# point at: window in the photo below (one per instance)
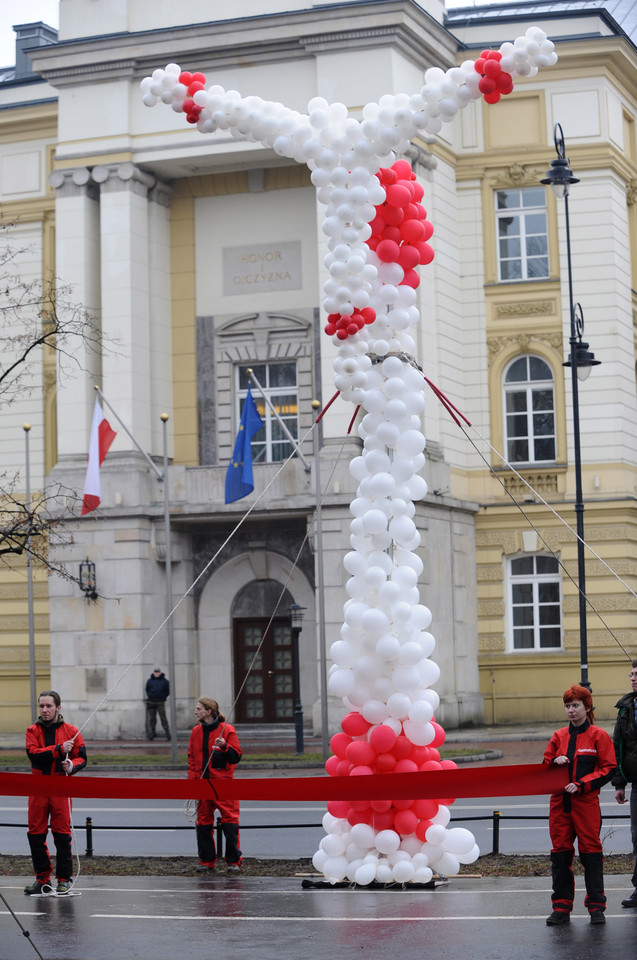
(529, 407)
(270, 444)
(522, 234)
(535, 603)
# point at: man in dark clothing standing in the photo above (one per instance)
(625, 740)
(157, 690)
(55, 749)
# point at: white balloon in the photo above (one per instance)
(398, 706)
(422, 734)
(342, 653)
(470, 857)
(374, 711)
(341, 683)
(319, 859)
(447, 865)
(363, 835)
(459, 841)
(384, 872)
(387, 841)
(335, 869)
(365, 874)
(333, 845)
(436, 834)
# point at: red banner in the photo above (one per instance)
(505, 781)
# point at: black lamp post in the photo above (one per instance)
(559, 177)
(87, 580)
(296, 617)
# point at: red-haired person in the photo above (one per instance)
(213, 753)
(55, 749)
(574, 812)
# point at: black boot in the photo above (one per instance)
(233, 853)
(563, 887)
(40, 856)
(595, 900)
(64, 860)
(206, 844)
(632, 899)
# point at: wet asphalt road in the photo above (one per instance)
(117, 918)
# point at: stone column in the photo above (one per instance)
(126, 320)
(77, 253)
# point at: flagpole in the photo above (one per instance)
(125, 428)
(27, 506)
(316, 406)
(172, 706)
(279, 420)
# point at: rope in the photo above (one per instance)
(449, 406)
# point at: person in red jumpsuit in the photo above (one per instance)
(213, 753)
(55, 749)
(588, 750)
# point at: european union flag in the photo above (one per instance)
(239, 482)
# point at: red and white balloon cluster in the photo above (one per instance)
(377, 234)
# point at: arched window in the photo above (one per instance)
(529, 405)
(534, 603)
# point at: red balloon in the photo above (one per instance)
(492, 69)
(383, 821)
(200, 77)
(405, 822)
(424, 809)
(486, 85)
(406, 766)
(411, 210)
(402, 169)
(361, 771)
(478, 64)
(494, 55)
(392, 233)
(402, 747)
(420, 754)
(360, 816)
(411, 279)
(360, 753)
(352, 328)
(385, 762)
(392, 215)
(411, 230)
(430, 765)
(435, 754)
(398, 195)
(377, 225)
(339, 744)
(330, 329)
(193, 116)
(426, 253)
(408, 258)
(388, 175)
(448, 764)
(185, 78)
(338, 808)
(402, 804)
(187, 106)
(440, 734)
(382, 738)
(492, 97)
(419, 191)
(388, 251)
(380, 806)
(368, 314)
(342, 334)
(343, 768)
(331, 764)
(360, 805)
(429, 229)
(194, 87)
(421, 830)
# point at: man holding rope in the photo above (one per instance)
(54, 748)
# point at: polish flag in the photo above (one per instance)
(102, 436)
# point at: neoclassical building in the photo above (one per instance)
(201, 256)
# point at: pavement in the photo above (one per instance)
(272, 918)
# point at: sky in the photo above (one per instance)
(30, 11)
(26, 11)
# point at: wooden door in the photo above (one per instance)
(264, 671)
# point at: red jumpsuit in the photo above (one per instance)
(201, 747)
(591, 764)
(44, 750)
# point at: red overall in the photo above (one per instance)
(221, 766)
(591, 757)
(44, 750)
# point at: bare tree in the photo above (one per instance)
(37, 317)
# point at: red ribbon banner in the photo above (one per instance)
(504, 781)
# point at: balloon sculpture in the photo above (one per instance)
(378, 234)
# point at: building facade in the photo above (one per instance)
(202, 257)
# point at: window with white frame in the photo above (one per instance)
(279, 382)
(522, 234)
(535, 604)
(529, 411)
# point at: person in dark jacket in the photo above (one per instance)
(213, 753)
(157, 690)
(575, 812)
(55, 749)
(625, 740)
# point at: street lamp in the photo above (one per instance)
(296, 618)
(559, 177)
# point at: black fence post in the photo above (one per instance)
(497, 816)
(89, 837)
(219, 839)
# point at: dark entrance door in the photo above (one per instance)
(264, 671)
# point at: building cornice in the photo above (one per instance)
(217, 45)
